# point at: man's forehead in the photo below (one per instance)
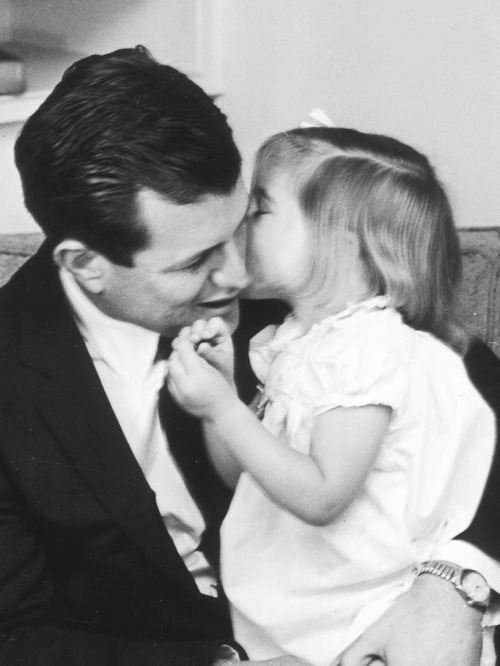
(176, 228)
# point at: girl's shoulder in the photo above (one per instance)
(357, 357)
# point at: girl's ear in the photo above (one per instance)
(88, 267)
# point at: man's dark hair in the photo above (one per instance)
(114, 125)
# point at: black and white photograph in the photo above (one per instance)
(249, 332)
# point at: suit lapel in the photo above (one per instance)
(71, 399)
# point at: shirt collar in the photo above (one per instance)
(129, 350)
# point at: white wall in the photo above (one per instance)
(174, 30)
(167, 27)
(425, 71)
(13, 216)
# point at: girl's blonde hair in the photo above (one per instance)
(388, 195)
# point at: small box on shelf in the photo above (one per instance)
(12, 73)
(44, 67)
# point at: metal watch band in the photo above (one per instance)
(438, 568)
(456, 575)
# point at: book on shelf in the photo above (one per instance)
(12, 73)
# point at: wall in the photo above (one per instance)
(176, 31)
(426, 72)
(14, 218)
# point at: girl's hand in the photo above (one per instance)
(212, 342)
(195, 385)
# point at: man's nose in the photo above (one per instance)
(231, 272)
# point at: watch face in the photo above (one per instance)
(475, 586)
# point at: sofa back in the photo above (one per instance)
(480, 291)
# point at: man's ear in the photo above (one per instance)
(88, 267)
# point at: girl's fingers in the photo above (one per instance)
(214, 330)
(210, 332)
(174, 365)
(197, 329)
(187, 356)
(204, 349)
(184, 333)
(214, 327)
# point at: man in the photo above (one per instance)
(109, 511)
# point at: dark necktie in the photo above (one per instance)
(185, 442)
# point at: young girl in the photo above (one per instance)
(374, 446)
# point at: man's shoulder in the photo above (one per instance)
(25, 292)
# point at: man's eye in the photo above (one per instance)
(197, 263)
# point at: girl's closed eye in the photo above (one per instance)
(258, 206)
(257, 210)
(257, 213)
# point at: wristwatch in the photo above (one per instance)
(470, 584)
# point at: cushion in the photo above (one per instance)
(480, 289)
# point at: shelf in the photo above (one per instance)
(44, 68)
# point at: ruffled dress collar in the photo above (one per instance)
(290, 335)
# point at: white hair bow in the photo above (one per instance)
(318, 119)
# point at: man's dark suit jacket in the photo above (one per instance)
(88, 572)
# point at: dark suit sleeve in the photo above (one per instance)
(54, 646)
(29, 630)
(484, 370)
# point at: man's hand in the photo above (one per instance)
(430, 625)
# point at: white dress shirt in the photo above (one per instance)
(124, 358)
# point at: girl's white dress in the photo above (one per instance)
(309, 591)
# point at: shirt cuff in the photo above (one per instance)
(468, 556)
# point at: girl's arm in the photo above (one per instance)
(225, 463)
(213, 343)
(315, 487)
